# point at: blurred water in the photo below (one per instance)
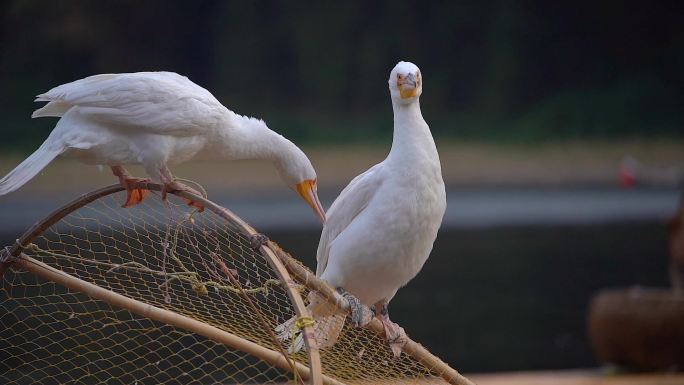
(509, 280)
(515, 298)
(478, 208)
(466, 208)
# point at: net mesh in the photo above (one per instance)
(167, 255)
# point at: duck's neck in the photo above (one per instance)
(411, 133)
(242, 137)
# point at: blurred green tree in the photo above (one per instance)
(498, 70)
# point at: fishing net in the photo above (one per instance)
(162, 293)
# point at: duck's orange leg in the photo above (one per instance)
(394, 334)
(134, 195)
(171, 185)
(178, 186)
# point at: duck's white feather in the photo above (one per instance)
(155, 102)
(154, 119)
(380, 230)
(348, 205)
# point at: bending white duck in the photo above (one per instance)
(156, 119)
(380, 230)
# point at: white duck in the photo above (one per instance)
(380, 230)
(156, 119)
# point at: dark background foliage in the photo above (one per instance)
(316, 71)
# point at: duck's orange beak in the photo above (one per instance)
(408, 86)
(308, 191)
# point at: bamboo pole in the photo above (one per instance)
(279, 269)
(412, 348)
(54, 217)
(39, 227)
(165, 316)
(283, 266)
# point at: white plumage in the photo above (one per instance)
(155, 119)
(380, 230)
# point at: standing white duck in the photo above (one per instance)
(380, 230)
(156, 119)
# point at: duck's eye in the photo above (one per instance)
(398, 76)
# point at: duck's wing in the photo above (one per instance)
(348, 205)
(158, 102)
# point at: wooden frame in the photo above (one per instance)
(279, 261)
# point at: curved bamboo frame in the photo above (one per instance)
(280, 262)
(412, 348)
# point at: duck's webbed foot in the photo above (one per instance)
(172, 185)
(394, 334)
(361, 315)
(134, 195)
(178, 186)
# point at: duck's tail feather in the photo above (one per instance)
(55, 108)
(29, 167)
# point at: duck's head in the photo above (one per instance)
(296, 171)
(405, 82)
